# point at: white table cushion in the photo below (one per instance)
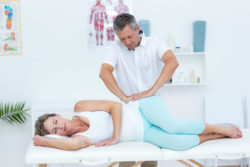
(125, 151)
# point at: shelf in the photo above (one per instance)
(186, 84)
(189, 53)
(188, 62)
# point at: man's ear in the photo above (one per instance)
(137, 28)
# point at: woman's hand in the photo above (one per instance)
(38, 140)
(107, 142)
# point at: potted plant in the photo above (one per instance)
(14, 113)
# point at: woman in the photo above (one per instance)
(105, 123)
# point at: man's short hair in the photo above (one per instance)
(124, 19)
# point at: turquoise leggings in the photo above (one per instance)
(161, 128)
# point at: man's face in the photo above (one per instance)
(129, 37)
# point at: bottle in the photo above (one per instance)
(198, 80)
(171, 42)
(192, 78)
(181, 77)
(178, 49)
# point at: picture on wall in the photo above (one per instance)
(101, 16)
(10, 28)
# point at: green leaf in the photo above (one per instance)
(15, 113)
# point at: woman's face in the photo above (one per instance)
(57, 125)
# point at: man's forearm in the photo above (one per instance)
(110, 82)
(166, 73)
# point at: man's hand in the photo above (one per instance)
(126, 99)
(38, 140)
(107, 142)
(141, 95)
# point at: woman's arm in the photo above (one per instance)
(94, 105)
(72, 143)
(116, 112)
(114, 108)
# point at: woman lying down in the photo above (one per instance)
(104, 123)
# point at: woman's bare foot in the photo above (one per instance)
(227, 130)
(230, 131)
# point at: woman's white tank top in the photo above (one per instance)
(101, 125)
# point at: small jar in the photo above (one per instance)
(178, 49)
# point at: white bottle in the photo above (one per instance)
(192, 77)
(181, 77)
(171, 42)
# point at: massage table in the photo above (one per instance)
(137, 151)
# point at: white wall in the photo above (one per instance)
(56, 64)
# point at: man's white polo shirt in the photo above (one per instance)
(137, 70)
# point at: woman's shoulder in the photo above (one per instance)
(82, 113)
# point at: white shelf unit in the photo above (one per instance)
(188, 62)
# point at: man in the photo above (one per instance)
(142, 64)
